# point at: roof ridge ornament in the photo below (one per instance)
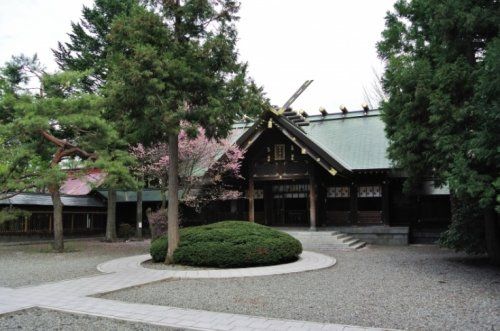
(297, 93)
(365, 107)
(297, 118)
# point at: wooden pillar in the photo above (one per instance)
(312, 201)
(321, 206)
(385, 202)
(50, 223)
(138, 215)
(72, 223)
(251, 209)
(268, 204)
(354, 204)
(25, 224)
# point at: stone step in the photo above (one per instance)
(326, 240)
(359, 245)
(352, 242)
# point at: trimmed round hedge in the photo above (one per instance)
(230, 244)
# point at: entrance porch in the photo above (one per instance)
(290, 203)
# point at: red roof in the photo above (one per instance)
(81, 184)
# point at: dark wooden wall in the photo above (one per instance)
(39, 223)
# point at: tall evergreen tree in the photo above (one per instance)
(439, 108)
(40, 132)
(87, 48)
(86, 52)
(177, 61)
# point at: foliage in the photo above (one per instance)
(176, 61)
(476, 172)
(125, 231)
(39, 131)
(183, 70)
(466, 231)
(11, 214)
(442, 112)
(157, 222)
(204, 166)
(87, 48)
(230, 244)
(42, 133)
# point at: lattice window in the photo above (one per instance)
(258, 194)
(279, 152)
(370, 191)
(338, 192)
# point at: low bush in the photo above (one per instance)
(157, 222)
(230, 244)
(126, 231)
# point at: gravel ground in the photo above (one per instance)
(41, 319)
(23, 265)
(413, 287)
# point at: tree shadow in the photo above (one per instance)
(473, 261)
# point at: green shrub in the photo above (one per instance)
(230, 244)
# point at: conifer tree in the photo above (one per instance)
(442, 109)
(86, 52)
(176, 61)
(41, 132)
(87, 48)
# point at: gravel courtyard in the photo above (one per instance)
(42, 319)
(34, 264)
(414, 287)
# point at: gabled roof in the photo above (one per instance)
(358, 140)
(350, 142)
(42, 199)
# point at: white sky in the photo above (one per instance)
(285, 43)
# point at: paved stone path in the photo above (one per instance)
(72, 296)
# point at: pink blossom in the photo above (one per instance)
(203, 165)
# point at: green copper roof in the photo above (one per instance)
(148, 195)
(356, 140)
(130, 196)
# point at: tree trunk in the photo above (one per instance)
(492, 234)
(111, 219)
(163, 199)
(58, 220)
(173, 197)
(138, 216)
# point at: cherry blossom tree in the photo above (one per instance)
(204, 167)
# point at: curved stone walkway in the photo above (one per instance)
(308, 261)
(73, 296)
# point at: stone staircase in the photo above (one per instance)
(326, 240)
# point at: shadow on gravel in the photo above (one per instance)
(479, 262)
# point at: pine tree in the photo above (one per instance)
(176, 61)
(435, 52)
(40, 132)
(86, 50)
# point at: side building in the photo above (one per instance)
(82, 216)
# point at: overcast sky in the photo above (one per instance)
(285, 43)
